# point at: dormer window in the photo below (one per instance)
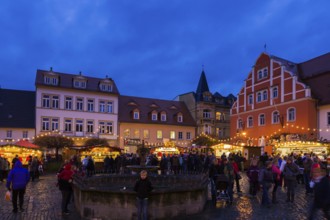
(51, 80)
(106, 87)
(136, 114)
(79, 84)
(154, 116)
(163, 116)
(180, 117)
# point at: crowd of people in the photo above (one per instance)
(265, 174)
(269, 172)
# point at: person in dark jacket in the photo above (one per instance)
(143, 187)
(307, 164)
(17, 180)
(290, 172)
(253, 175)
(64, 183)
(321, 193)
(266, 180)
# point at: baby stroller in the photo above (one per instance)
(221, 187)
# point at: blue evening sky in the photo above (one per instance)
(156, 48)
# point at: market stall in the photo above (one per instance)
(301, 147)
(159, 151)
(22, 148)
(226, 149)
(99, 153)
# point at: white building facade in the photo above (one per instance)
(76, 106)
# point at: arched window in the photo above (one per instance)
(275, 92)
(262, 119)
(275, 117)
(265, 73)
(250, 121)
(259, 97)
(264, 95)
(291, 114)
(240, 124)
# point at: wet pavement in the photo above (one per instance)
(42, 202)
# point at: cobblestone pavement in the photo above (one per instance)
(42, 202)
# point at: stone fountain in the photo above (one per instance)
(112, 196)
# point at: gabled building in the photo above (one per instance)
(280, 97)
(77, 106)
(17, 115)
(210, 111)
(157, 123)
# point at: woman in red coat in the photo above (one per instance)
(64, 182)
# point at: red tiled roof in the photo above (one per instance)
(27, 144)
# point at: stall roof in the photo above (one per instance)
(27, 144)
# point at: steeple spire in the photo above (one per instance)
(202, 84)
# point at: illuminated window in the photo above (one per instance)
(159, 134)
(172, 135)
(145, 134)
(105, 127)
(136, 133)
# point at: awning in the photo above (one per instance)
(27, 144)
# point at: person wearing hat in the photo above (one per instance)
(290, 172)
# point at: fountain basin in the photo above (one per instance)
(112, 196)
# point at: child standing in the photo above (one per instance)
(143, 187)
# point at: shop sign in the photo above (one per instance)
(293, 137)
(132, 141)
